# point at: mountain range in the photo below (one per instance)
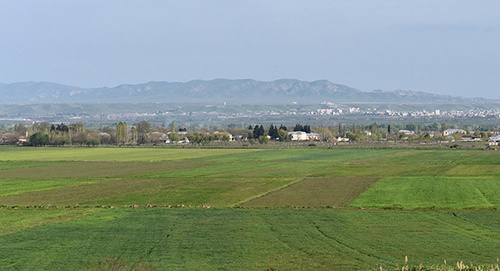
(218, 91)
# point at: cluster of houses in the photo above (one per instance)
(303, 136)
(494, 140)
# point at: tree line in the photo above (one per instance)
(44, 133)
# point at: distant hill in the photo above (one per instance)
(246, 91)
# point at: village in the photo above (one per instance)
(45, 133)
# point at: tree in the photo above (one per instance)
(307, 128)
(258, 131)
(249, 133)
(192, 138)
(41, 127)
(426, 137)
(282, 134)
(484, 135)
(10, 138)
(133, 135)
(438, 137)
(353, 137)
(373, 128)
(273, 132)
(62, 127)
(174, 137)
(93, 142)
(20, 129)
(80, 138)
(39, 139)
(325, 133)
(226, 138)
(121, 132)
(77, 127)
(143, 128)
(173, 127)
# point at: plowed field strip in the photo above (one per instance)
(315, 192)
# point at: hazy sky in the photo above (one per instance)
(446, 47)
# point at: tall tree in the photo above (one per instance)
(77, 127)
(273, 132)
(373, 128)
(121, 132)
(307, 128)
(133, 135)
(20, 129)
(143, 128)
(256, 132)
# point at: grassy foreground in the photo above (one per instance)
(254, 239)
(303, 209)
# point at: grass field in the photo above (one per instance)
(432, 192)
(254, 239)
(302, 209)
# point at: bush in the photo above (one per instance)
(263, 139)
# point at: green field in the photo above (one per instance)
(432, 192)
(247, 209)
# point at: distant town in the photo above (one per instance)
(224, 115)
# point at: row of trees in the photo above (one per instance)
(44, 133)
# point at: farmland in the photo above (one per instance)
(207, 209)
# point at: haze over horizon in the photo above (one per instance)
(446, 47)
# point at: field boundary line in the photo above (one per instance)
(342, 243)
(165, 236)
(481, 195)
(485, 227)
(458, 228)
(54, 220)
(265, 193)
(359, 195)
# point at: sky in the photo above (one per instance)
(446, 47)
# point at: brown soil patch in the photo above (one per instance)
(316, 192)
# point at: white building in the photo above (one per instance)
(303, 136)
(297, 136)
